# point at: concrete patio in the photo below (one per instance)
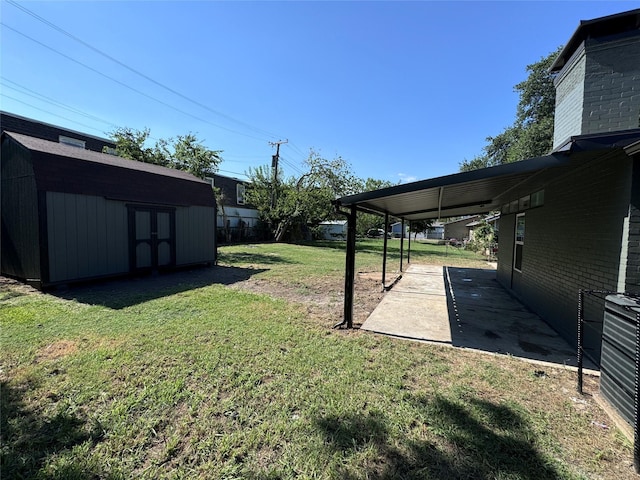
(467, 308)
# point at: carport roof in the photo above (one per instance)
(484, 190)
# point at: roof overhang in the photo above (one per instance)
(487, 189)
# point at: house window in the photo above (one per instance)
(537, 199)
(74, 142)
(240, 194)
(519, 242)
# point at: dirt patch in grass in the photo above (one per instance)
(323, 298)
(56, 350)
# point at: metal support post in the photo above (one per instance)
(580, 336)
(401, 244)
(384, 252)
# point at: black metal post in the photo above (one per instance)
(580, 336)
(409, 245)
(401, 244)
(636, 425)
(350, 268)
(384, 252)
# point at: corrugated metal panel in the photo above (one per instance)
(617, 380)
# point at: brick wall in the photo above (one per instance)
(573, 241)
(599, 89)
(612, 86)
(569, 100)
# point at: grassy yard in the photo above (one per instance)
(183, 376)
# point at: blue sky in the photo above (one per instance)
(401, 90)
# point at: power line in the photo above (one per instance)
(133, 70)
(50, 113)
(43, 98)
(126, 85)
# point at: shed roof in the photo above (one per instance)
(63, 168)
(485, 190)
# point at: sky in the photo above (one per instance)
(402, 91)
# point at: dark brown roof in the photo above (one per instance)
(63, 168)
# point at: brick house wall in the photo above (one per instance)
(599, 88)
(573, 241)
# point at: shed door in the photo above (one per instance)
(152, 234)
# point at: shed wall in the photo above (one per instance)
(195, 235)
(571, 242)
(19, 214)
(87, 237)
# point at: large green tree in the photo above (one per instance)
(184, 152)
(531, 134)
(291, 204)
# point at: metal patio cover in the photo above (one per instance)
(484, 190)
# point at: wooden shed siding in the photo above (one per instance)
(87, 237)
(195, 235)
(20, 227)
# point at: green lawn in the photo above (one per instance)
(154, 378)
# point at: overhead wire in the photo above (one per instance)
(126, 85)
(43, 98)
(137, 72)
(50, 113)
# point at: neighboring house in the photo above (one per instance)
(34, 128)
(396, 229)
(237, 220)
(493, 220)
(436, 231)
(459, 228)
(570, 220)
(70, 214)
(333, 230)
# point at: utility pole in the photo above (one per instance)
(274, 168)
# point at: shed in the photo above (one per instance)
(333, 230)
(70, 214)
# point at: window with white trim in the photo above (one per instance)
(240, 194)
(74, 142)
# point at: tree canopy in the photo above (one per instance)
(531, 134)
(184, 152)
(291, 205)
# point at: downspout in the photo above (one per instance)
(384, 251)
(349, 271)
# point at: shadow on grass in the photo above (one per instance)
(30, 440)
(231, 258)
(117, 294)
(476, 439)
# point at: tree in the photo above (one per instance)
(531, 135)
(185, 152)
(367, 221)
(291, 205)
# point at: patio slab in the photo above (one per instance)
(467, 308)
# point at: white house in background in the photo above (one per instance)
(396, 229)
(436, 231)
(236, 218)
(333, 230)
